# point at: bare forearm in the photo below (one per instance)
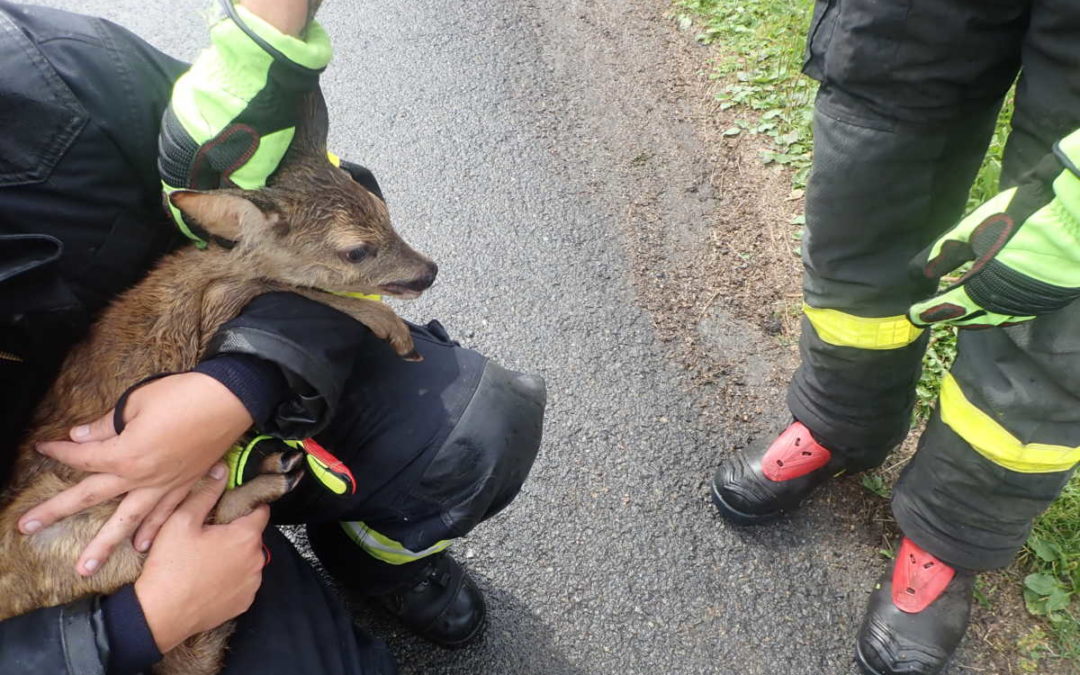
(288, 16)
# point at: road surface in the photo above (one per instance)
(509, 138)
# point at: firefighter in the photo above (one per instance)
(909, 95)
(403, 457)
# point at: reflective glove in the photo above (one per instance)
(233, 115)
(251, 459)
(1024, 246)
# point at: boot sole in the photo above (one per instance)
(867, 669)
(863, 665)
(737, 517)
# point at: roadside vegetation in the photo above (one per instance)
(760, 48)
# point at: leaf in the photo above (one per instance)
(1046, 551)
(790, 137)
(1057, 600)
(1035, 603)
(733, 131)
(872, 482)
(1043, 584)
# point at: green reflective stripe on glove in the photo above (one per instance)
(232, 116)
(1024, 246)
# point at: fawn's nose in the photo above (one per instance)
(424, 281)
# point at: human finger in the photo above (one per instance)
(121, 525)
(204, 497)
(91, 456)
(89, 492)
(99, 430)
(151, 525)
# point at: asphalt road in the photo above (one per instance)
(501, 133)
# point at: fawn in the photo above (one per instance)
(311, 228)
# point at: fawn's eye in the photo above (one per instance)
(355, 255)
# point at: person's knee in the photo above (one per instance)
(488, 455)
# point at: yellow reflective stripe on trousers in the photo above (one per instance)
(847, 330)
(382, 547)
(994, 442)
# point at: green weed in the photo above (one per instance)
(762, 41)
(760, 56)
(1053, 557)
(875, 482)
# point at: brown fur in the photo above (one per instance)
(291, 236)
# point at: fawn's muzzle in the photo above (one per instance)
(416, 286)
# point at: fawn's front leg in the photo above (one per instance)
(278, 474)
(383, 321)
(223, 301)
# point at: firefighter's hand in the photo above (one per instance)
(1024, 246)
(176, 428)
(232, 116)
(199, 576)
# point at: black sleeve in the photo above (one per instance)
(258, 383)
(314, 345)
(132, 644)
(66, 640)
(103, 635)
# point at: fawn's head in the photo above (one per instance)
(312, 225)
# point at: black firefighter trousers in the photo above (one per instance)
(910, 90)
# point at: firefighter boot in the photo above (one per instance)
(440, 603)
(757, 485)
(434, 597)
(916, 617)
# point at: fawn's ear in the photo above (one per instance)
(221, 213)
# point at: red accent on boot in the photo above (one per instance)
(794, 453)
(918, 578)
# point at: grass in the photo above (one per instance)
(761, 49)
(761, 41)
